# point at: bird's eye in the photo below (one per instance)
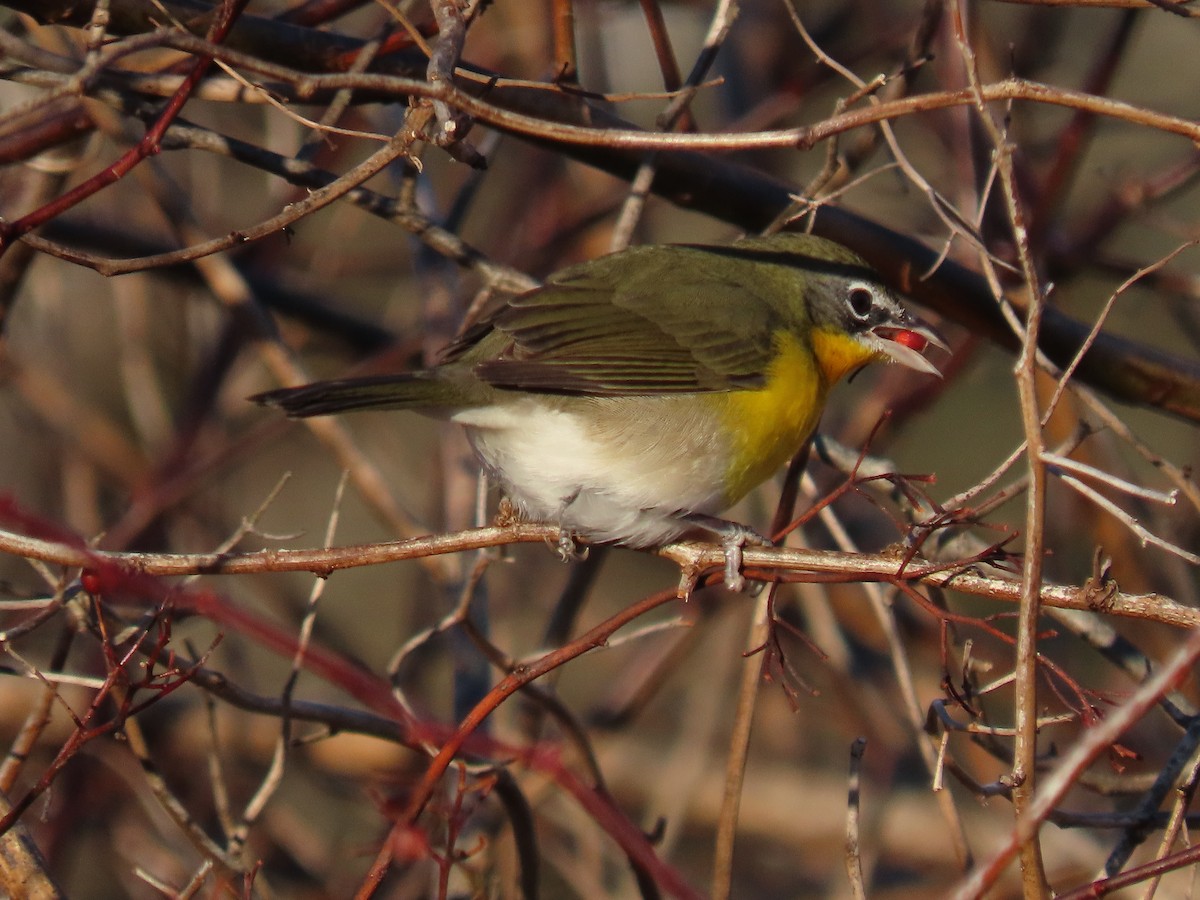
(861, 299)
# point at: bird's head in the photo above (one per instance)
(853, 317)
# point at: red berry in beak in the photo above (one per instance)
(909, 339)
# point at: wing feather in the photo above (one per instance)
(577, 335)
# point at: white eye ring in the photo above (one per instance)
(860, 297)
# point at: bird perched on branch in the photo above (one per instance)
(634, 398)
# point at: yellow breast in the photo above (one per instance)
(769, 424)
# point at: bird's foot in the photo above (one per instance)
(567, 549)
(734, 537)
(733, 543)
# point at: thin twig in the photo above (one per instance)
(1093, 742)
(853, 848)
(1144, 534)
(1026, 666)
(739, 746)
(228, 13)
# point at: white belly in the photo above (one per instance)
(607, 469)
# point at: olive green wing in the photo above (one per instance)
(661, 333)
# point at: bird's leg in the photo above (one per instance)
(568, 550)
(734, 536)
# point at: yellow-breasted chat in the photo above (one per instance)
(636, 397)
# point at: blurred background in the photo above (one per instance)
(124, 421)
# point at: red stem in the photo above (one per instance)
(149, 145)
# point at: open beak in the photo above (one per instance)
(907, 343)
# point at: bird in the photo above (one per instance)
(633, 398)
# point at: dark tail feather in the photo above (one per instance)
(414, 390)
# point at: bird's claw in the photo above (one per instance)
(733, 541)
(568, 550)
(734, 580)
